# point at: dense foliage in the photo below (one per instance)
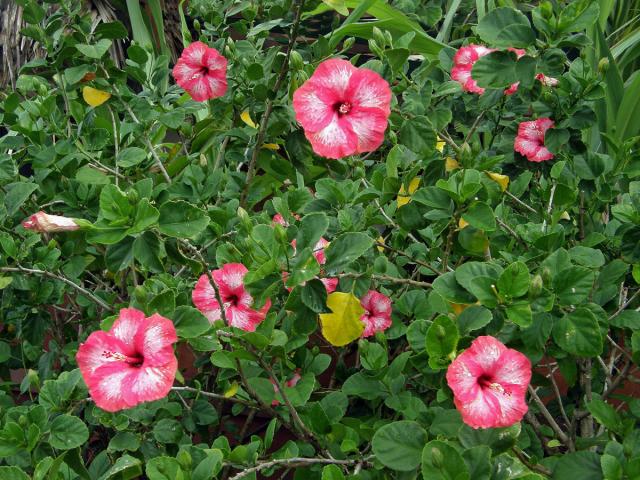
(500, 206)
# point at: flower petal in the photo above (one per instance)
(146, 384)
(334, 75)
(108, 388)
(369, 125)
(336, 140)
(367, 89)
(486, 352)
(314, 110)
(91, 353)
(129, 323)
(204, 297)
(156, 340)
(245, 318)
(194, 54)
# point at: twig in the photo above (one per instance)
(549, 206)
(62, 279)
(387, 278)
(405, 254)
(215, 396)
(531, 466)
(556, 390)
(552, 423)
(115, 142)
(298, 462)
(474, 126)
(269, 105)
(519, 202)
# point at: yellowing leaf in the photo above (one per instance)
(380, 240)
(501, 180)
(95, 97)
(458, 308)
(271, 146)
(343, 325)
(440, 145)
(232, 390)
(246, 118)
(565, 216)
(462, 223)
(403, 197)
(450, 164)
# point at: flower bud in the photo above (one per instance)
(348, 43)
(296, 60)
(43, 222)
(379, 37)
(244, 218)
(603, 65)
(437, 458)
(546, 275)
(536, 286)
(546, 9)
(196, 25)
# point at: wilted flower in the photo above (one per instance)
(236, 300)
(489, 383)
(202, 72)
(43, 222)
(132, 363)
(377, 315)
(530, 140)
(343, 109)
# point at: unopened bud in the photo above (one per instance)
(603, 65)
(379, 37)
(546, 8)
(348, 43)
(536, 286)
(437, 458)
(296, 60)
(196, 25)
(43, 222)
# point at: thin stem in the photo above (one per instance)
(552, 423)
(84, 291)
(215, 396)
(298, 462)
(388, 278)
(269, 105)
(519, 202)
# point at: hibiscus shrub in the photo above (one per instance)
(332, 240)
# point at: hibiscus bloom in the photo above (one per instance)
(279, 219)
(202, 72)
(43, 222)
(464, 60)
(318, 252)
(547, 81)
(377, 314)
(343, 109)
(235, 298)
(530, 140)
(489, 383)
(131, 363)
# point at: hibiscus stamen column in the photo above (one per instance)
(269, 105)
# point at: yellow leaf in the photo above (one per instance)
(458, 308)
(440, 145)
(380, 240)
(450, 164)
(232, 390)
(95, 97)
(246, 118)
(462, 223)
(501, 180)
(271, 146)
(565, 216)
(343, 325)
(403, 197)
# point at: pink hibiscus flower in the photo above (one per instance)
(202, 72)
(235, 298)
(530, 140)
(131, 363)
(43, 222)
(318, 252)
(292, 382)
(343, 109)
(489, 383)
(377, 315)
(279, 219)
(464, 60)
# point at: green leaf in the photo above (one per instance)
(332, 472)
(124, 441)
(125, 468)
(506, 27)
(496, 70)
(91, 176)
(164, 468)
(442, 339)
(114, 204)
(209, 467)
(312, 227)
(167, 430)
(520, 313)
(345, 249)
(399, 445)
(417, 135)
(584, 465)
(96, 50)
(572, 285)
(314, 295)
(440, 461)
(17, 194)
(189, 322)
(473, 318)
(480, 215)
(120, 255)
(514, 281)
(68, 432)
(578, 15)
(605, 414)
(578, 333)
(74, 74)
(181, 219)
(131, 156)
(12, 473)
